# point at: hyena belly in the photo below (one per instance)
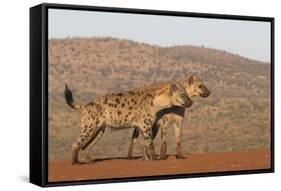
(124, 113)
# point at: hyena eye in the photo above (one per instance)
(200, 86)
(183, 95)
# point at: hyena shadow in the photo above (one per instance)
(111, 158)
(140, 158)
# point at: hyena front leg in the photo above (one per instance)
(178, 132)
(148, 147)
(133, 142)
(163, 149)
(135, 137)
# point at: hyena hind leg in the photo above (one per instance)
(87, 136)
(89, 148)
(75, 153)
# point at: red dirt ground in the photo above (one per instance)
(193, 163)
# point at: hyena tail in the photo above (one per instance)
(69, 99)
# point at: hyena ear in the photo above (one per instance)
(192, 78)
(173, 88)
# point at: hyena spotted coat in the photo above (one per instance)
(173, 116)
(124, 110)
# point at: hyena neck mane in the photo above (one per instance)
(161, 98)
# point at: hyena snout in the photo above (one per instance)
(188, 102)
(205, 92)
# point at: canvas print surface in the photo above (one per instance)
(133, 95)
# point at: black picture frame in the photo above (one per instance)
(39, 92)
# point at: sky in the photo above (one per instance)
(250, 39)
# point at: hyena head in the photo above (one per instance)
(195, 86)
(179, 96)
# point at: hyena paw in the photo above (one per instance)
(180, 157)
(88, 160)
(163, 157)
(129, 157)
(75, 162)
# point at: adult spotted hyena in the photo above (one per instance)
(173, 116)
(125, 110)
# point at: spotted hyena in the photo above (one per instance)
(173, 116)
(124, 110)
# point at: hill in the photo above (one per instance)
(117, 65)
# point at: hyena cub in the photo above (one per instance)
(124, 110)
(173, 116)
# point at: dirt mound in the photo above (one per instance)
(193, 163)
